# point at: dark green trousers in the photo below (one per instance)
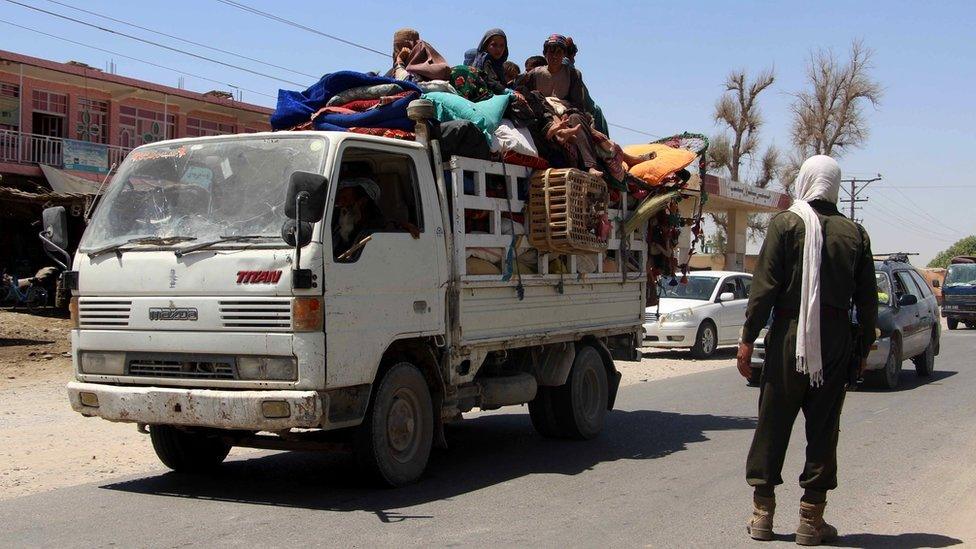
(784, 392)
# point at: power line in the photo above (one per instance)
(297, 25)
(907, 223)
(124, 56)
(649, 134)
(150, 42)
(915, 208)
(184, 40)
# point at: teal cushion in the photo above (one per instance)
(486, 115)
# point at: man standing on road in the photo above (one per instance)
(813, 263)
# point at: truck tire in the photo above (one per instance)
(706, 341)
(394, 441)
(953, 323)
(186, 451)
(580, 405)
(925, 362)
(542, 413)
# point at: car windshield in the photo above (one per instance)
(203, 190)
(698, 287)
(884, 288)
(960, 274)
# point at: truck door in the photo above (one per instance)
(389, 288)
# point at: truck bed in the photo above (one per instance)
(595, 296)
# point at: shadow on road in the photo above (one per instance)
(21, 342)
(484, 451)
(911, 540)
(685, 354)
(908, 381)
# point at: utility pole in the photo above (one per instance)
(857, 187)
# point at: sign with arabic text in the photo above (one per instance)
(83, 156)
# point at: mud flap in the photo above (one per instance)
(613, 385)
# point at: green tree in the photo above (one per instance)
(965, 246)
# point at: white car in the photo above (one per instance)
(706, 312)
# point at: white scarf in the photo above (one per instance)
(819, 179)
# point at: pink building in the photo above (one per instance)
(77, 120)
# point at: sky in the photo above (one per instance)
(657, 67)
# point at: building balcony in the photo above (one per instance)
(32, 149)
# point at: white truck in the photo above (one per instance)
(210, 308)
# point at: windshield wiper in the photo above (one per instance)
(161, 240)
(224, 238)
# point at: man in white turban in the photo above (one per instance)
(814, 264)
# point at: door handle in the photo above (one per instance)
(420, 307)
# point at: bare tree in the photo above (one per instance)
(829, 116)
(739, 111)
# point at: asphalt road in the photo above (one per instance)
(668, 471)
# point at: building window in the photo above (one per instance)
(92, 122)
(9, 106)
(141, 126)
(50, 102)
(199, 127)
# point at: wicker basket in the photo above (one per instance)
(562, 205)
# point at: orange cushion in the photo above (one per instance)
(667, 161)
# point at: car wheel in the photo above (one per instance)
(971, 325)
(580, 404)
(394, 441)
(706, 341)
(187, 451)
(925, 362)
(892, 369)
(952, 323)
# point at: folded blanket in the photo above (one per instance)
(507, 137)
(363, 92)
(486, 115)
(386, 132)
(296, 108)
(437, 86)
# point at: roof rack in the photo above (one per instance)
(900, 257)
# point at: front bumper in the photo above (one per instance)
(959, 312)
(198, 407)
(670, 335)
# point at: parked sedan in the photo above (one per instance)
(908, 325)
(702, 314)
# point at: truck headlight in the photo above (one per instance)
(105, 363)
(277, 368)
(682, 315)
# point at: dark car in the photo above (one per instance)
(908, 325)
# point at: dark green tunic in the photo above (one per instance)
(846, 273)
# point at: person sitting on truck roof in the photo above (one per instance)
(598, 119)
(490, 58)
(415, 60)
(557, 79)
(534, 62)
(512, 73)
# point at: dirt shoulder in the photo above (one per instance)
(47, 445)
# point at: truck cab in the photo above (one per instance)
(228, 294)
(959, 292)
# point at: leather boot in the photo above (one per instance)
(760, 525)
(813, 530)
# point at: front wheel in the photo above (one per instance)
(187, 451)
(953, 323)
(394, 441)
(705, 341)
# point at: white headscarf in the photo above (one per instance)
(819, 179)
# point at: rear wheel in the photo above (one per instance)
(925, 362)
(953, 323)
(394, 441)
(580, 405)
(892, 369)
(706, 341)
(187, 451)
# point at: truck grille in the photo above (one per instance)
(263, 314)
(103, 313)
(184, 369)
(650, 317)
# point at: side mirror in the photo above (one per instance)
(906, 300)
(295, 233)
(55, 229)
(310, 187)
(726, 296)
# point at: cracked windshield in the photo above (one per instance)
(961, 274)
(202, 191)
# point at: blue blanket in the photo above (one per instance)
(296, 108)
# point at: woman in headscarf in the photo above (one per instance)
(813, 265)
(490, 59)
